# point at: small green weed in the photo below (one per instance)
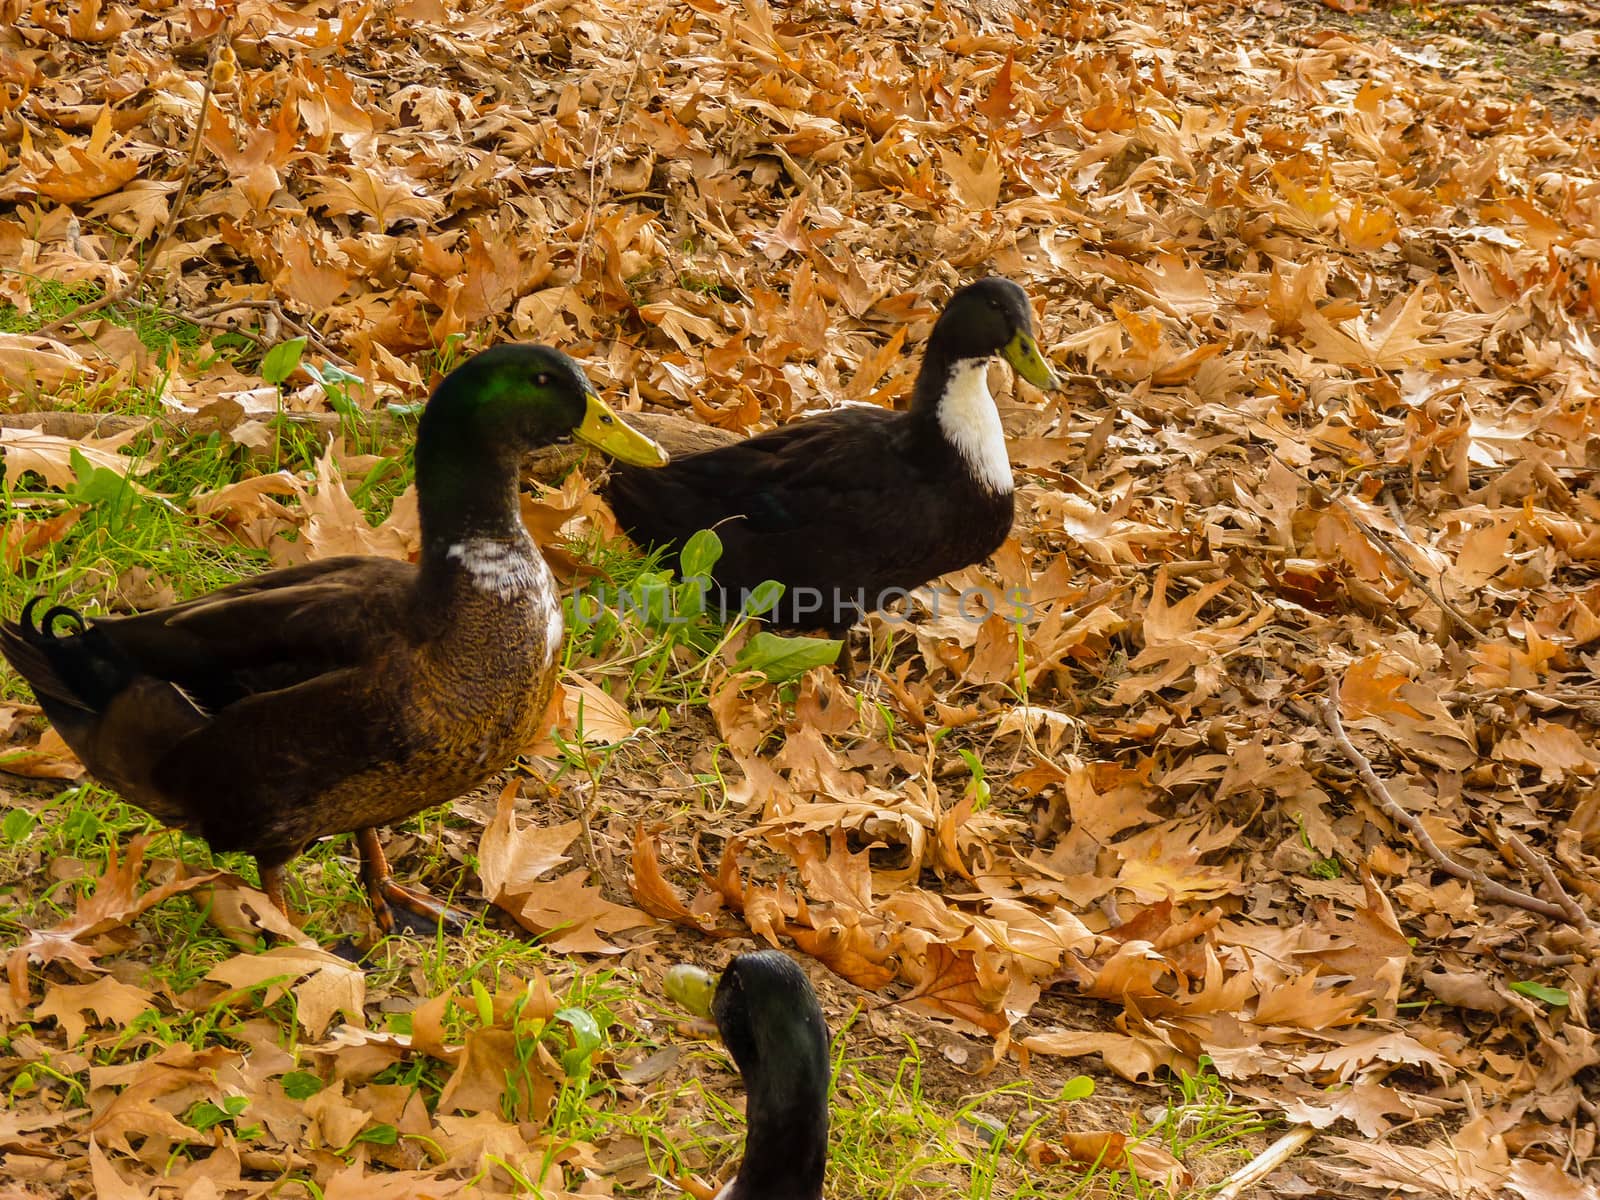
(656, 627)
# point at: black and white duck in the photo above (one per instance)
(854, 507)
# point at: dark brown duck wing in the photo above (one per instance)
(270, 632)
(134, 695)
(779, 482)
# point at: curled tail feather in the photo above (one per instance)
(82, 670)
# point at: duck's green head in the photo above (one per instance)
(522, 396)
(987, 318)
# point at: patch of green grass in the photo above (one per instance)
(157, 328)
(51, 300)
(636, 620)
(1202, 1122)
(119, 528)
(894, 1137)
(657, 626)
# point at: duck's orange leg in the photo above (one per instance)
(385, 894)
(272, 881)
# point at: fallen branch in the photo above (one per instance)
(1487, 888)
(1374, 535)
(1546, 872)
(1263, 1164)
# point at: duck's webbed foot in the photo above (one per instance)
(416, 911)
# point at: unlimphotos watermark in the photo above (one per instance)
(681, 603)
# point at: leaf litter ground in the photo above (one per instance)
(1325, 290)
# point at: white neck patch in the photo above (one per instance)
(511, 571)
(506, 570)
(970, 421)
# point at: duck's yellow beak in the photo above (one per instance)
(1022, 352)
(607, 432)
(691, 987)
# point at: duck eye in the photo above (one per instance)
(542, 379)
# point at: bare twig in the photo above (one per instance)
(1487, 888)
(174, 212)
(1546, 872)
(227, 306)
(1453, 614)
(209, 315)
(305, 329)
(1263, 1164)
(1375, 535)
(1528, 958)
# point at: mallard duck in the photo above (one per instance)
(771, 1023)
(854, 507)
(351, 692)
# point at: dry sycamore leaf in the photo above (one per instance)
(653, 893)
(976, 174)
(51, 456)
(28, 362)
(49, 758)
(574, 916)
(1133, 1058)
(511, 857)
(1367, 1105)
(77, 170)
(1473, 1164)
(335, 526)
(154, 1090)
(1546, 1181)
(952, 985)
(111, 1003)
(1112, 1151)
(323, 984)
(85, 21)
(592, 715)
(114, 902)
(850, 947)
(384, 200)
(108, 1180)
(242, 913)
(1398, 337)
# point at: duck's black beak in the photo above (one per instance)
(607, 432)
(1022, 352)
